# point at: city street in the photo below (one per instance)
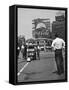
(38, 70)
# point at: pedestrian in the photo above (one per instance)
(58, 44)
(35, 52)
(18, 49)
(44, 46)
(25, 51)
(22, 50)
(38, 51)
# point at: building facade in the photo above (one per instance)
(58, 26)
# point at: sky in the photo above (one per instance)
(25, 17)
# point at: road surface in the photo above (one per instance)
(38, 70)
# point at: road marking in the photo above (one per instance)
(23, 68)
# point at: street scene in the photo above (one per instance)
(41, 45)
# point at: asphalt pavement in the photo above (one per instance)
(38, 70)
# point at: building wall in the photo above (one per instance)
(58, 26)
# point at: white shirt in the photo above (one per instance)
(18, 48)
(38, 47)
(22, 47)
(58, 43)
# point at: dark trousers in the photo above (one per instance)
(24, 54)
(18, 51)
(59, 61)
(35, 56)
(38, 54)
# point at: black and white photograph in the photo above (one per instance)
(41, 45)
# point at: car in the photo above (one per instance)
(42, 48)
(31, 52)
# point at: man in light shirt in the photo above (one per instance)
(58, 44)
(22, 50)
(18, 48)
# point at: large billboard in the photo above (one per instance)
(41, 28)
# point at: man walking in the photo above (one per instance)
(38, 51)
(22, 50)
(58, 44)
(18, 47)
(24, 47)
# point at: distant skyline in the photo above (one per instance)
(25, 17)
